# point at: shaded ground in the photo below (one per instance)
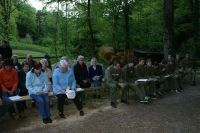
(175, 113)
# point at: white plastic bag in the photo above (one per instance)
(71, 94)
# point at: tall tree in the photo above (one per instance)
(127, 34)
(194, 7)
(91, 32)
(7, 10)
(169, 27)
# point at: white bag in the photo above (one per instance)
(71, 94)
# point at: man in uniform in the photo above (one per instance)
(189, 68)
(140, 74)
(179, 72)
(132, 84)
(171, 80)
(150, 74)
(115, 81)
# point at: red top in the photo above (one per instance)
(8, 79)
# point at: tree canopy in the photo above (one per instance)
(83, 26)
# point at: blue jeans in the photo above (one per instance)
(8, 102)
(43, 103)
(3, 110)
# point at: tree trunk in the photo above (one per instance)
(194, 7)
(115, 13)
(126, 16)
(169, 28)
(91, 32)
(66, 27)
(56, 31)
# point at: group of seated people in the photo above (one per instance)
(37, 79)
(149, 80)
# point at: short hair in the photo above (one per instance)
(5, 42)
(8, 62)
(93, 59)
(37, 66)
(63, 63)
(25, 63)
(80, 57)
(64, 58)
(115, 62)
(140, 59)
(42, 61)
(46, 56)
(14, 57)
(29, 55)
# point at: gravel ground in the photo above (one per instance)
(175, 113)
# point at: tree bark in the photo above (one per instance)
(126, 18)
(194, 7)
(91, 32)
(169, 28)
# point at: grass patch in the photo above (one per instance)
(23, 53)
(30, 47)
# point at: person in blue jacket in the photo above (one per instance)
(63, 78)
(38, 86)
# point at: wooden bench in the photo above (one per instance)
(91, 89)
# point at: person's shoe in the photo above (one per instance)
(177, 91)
(146, 98)
(81, 113)
(33, 104)
(49, 120)
(124, 101)
(62, 115)
(45, 121)
(113, 104)
(14, 116)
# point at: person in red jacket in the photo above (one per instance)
(8, 83)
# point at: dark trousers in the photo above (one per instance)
(61, 101)
(22, 104)
(10, 103)
(3, 110)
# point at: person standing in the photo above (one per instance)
(5, 50)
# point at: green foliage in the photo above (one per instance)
(66, 32)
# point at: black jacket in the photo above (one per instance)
(6, 52)
(81, 73)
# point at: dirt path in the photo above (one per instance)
(175, 113)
